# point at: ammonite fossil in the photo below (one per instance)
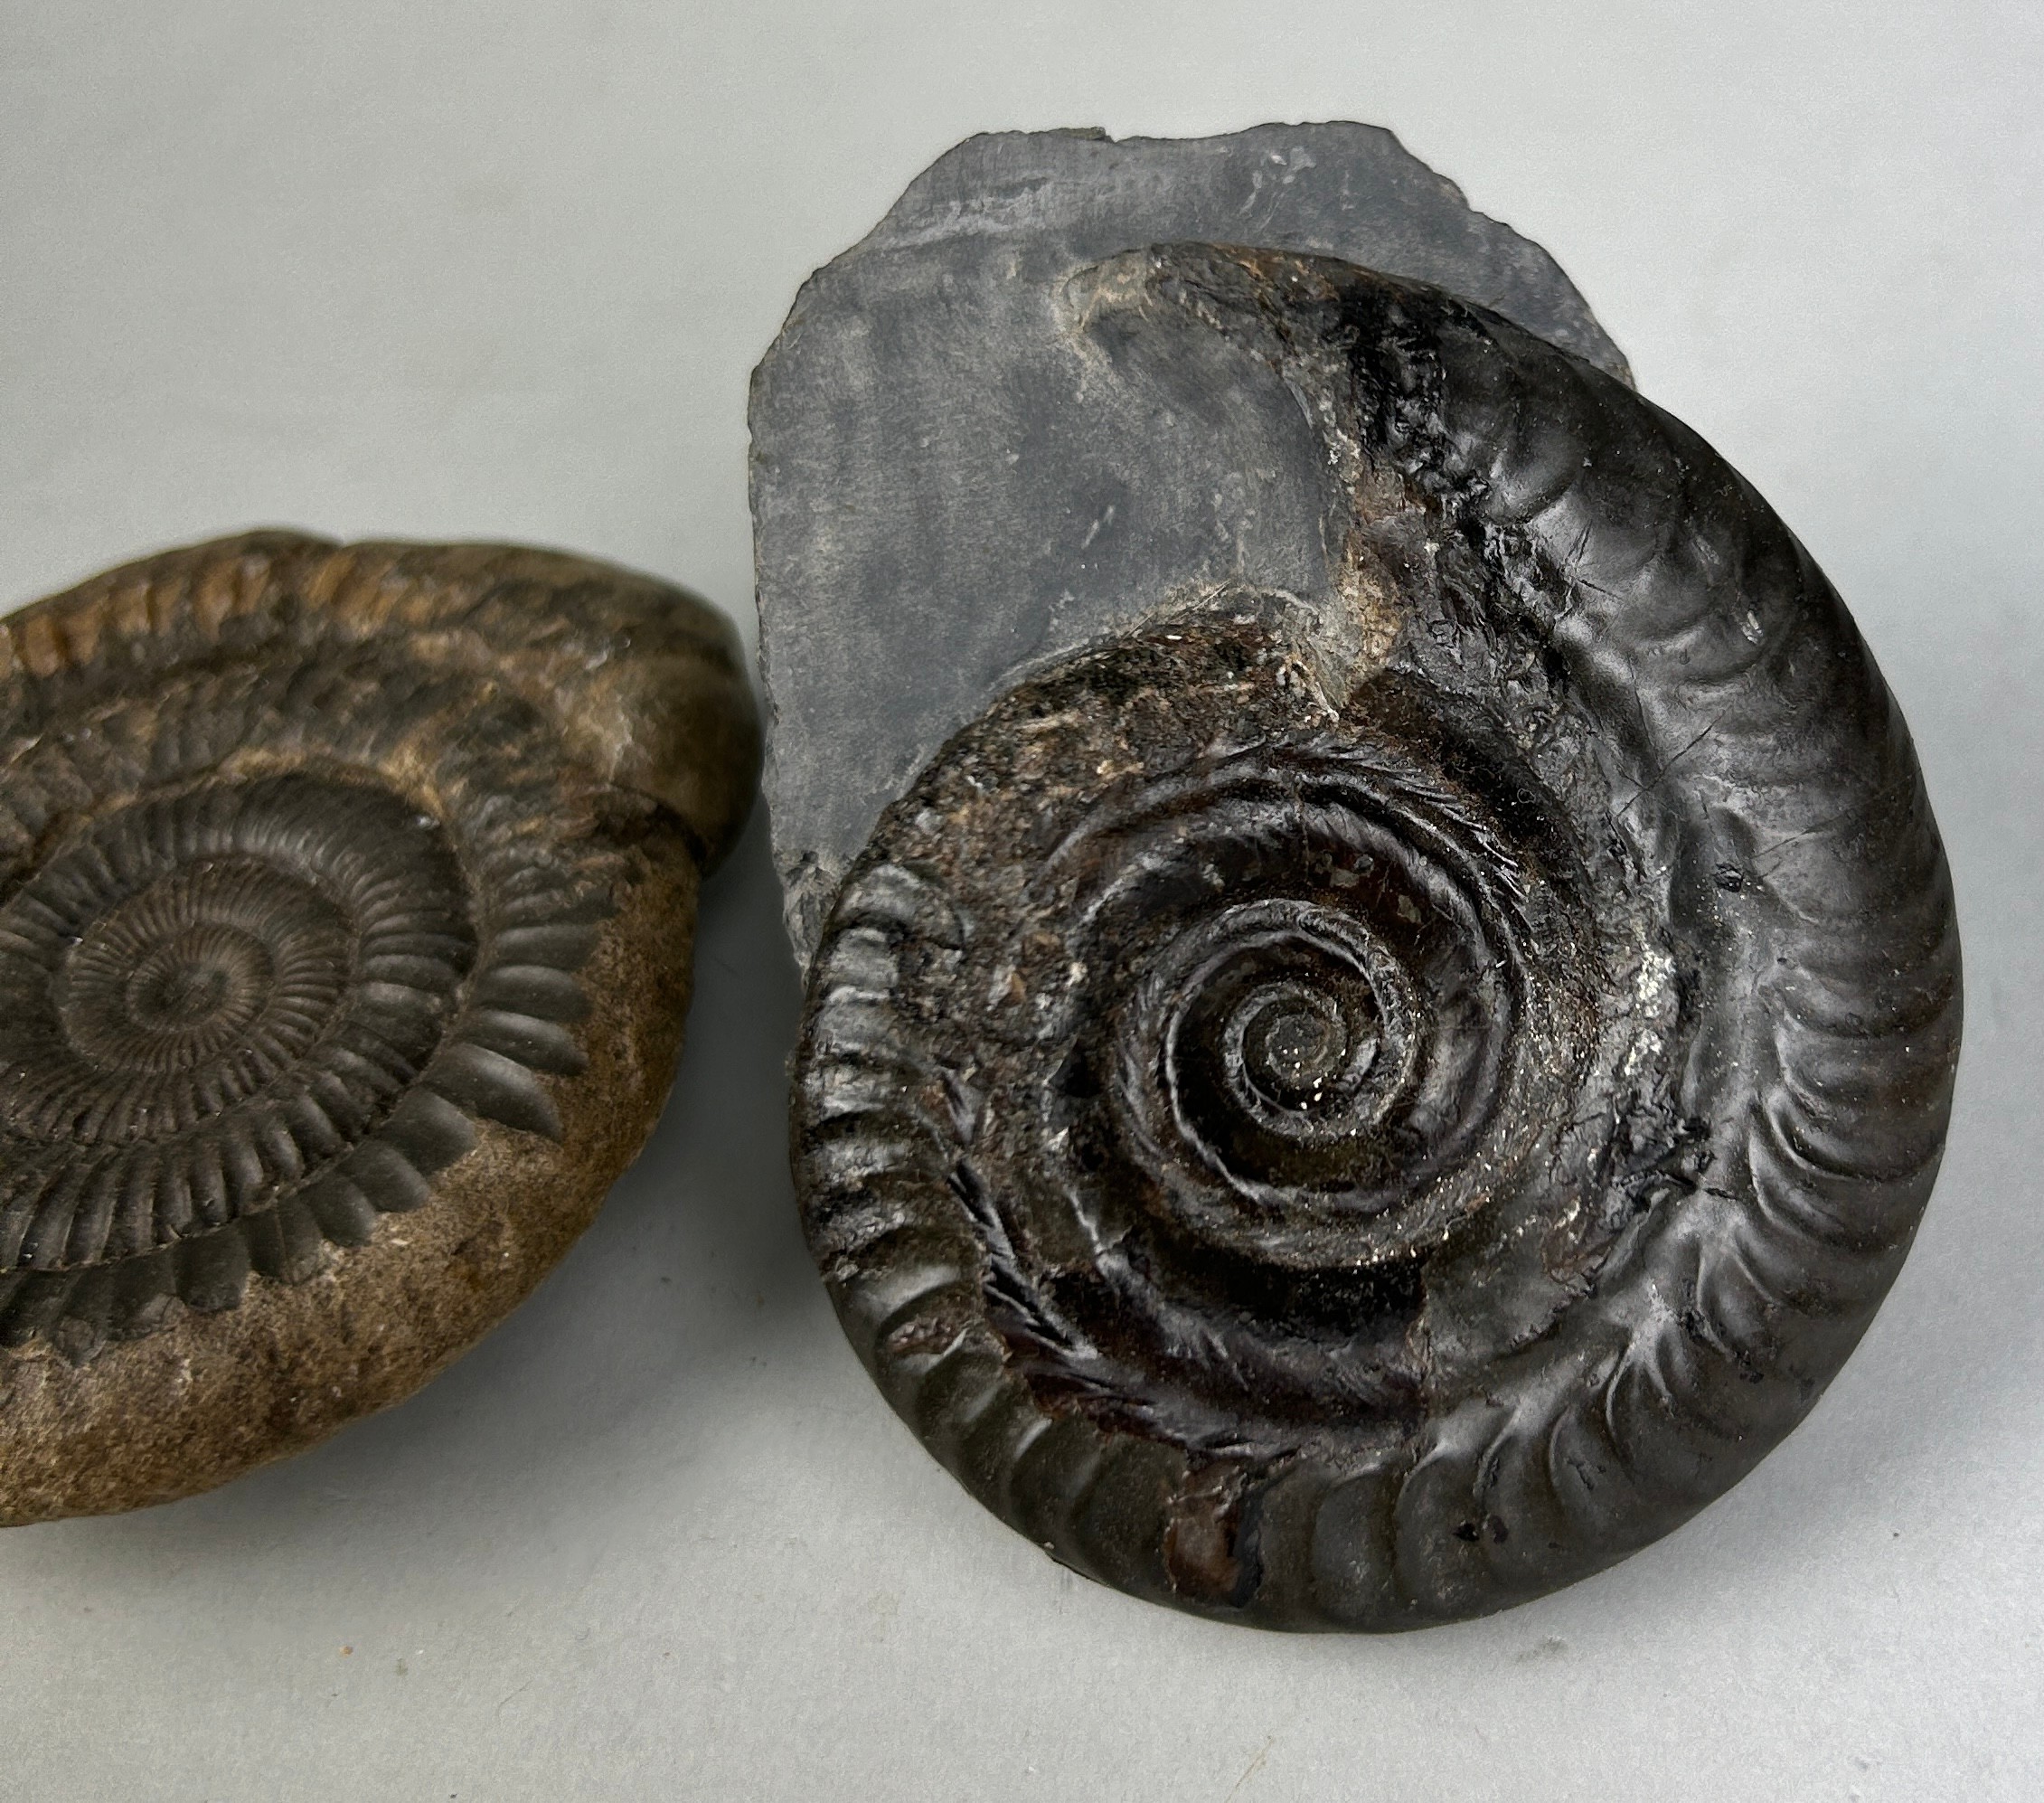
(1354, 1111)
(345, 905)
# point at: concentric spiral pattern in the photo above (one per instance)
(1355, 1118)
(303, 854)
(204, 996)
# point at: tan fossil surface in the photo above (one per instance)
(346, 899)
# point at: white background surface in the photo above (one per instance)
(500, 267)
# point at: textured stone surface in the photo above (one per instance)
(346, 897)
(956, 473)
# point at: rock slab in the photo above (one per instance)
(956, 475)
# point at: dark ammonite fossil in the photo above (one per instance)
(1354, 1116)
(345, 906)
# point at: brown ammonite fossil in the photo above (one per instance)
(347, 896)
(1352, 1113)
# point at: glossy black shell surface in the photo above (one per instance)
(1354, 1114)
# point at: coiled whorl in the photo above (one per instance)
(1355, 1114)
(346, 901)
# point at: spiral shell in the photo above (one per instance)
(1354, 1116)
(345, 898)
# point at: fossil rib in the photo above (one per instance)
(346, 901)
(1354, 1115)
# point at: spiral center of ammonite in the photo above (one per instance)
(1295, 1044)
(180, 971)
(1289, 1031)
(240, 975)
(181, 994)
(1300, 999)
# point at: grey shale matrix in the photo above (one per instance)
(1382, 988)
(346, 899)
